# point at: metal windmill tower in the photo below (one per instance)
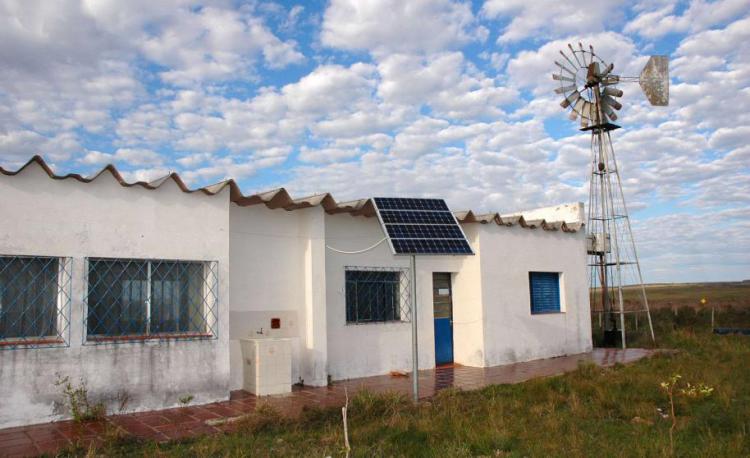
(590, 91)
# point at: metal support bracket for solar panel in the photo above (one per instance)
(420, 227)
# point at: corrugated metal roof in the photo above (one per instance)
(280, 198)
(466, 217)
(276, 198)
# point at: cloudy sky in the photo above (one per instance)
(419, 98)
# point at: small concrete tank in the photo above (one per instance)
(267, 365)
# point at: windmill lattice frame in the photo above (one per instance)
(590, 92)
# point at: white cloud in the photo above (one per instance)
(17, 146)
(215, 44)
(386, 26)
(444, 82)
(545, 19)
(324, 155)
(700, 15)
(128, 156)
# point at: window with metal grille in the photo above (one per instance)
(544, 288)
(34, 301)
(135, 299)
(376, 295)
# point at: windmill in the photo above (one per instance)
(591, 92)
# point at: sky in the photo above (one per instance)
(426, 98)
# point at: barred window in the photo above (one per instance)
(34, 300)
(131, 298)
(376, 295)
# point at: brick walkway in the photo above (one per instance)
(170, 424)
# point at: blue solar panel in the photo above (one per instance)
(426, 246)
(418, 231)
(398, 203)
(421, 226)
(417, 217)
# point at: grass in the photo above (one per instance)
(588, 412)
(669, 295)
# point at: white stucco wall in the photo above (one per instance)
(360, 350)
(511, 332)
(67, 218)
(468, 309)
(492, 321)
(276, 265)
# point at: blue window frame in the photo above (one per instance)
(544, 288)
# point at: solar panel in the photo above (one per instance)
(421, 226)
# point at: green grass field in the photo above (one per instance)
(668, 295)
(617, 411)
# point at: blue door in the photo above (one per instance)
(443, 312)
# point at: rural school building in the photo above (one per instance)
(153, 292)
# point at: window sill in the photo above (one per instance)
(548, 313)
(31, 342)
(150, 337)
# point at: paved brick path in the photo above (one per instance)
(170, 424)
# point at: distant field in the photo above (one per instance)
(671, 295)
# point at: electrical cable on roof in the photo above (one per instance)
(359, 251)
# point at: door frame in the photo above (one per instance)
(449, 276)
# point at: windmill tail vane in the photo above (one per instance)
(590, 90)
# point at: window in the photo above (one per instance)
(136, 299)
(376, 295)
(545, 292)
(34, 300)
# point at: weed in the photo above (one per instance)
(673, 388)
(186, 400)
(77, 400)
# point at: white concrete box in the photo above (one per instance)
(267, 365)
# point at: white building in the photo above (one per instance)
(143, 290)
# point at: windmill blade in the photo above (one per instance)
(578, 106)
(584, 123)
(571, 99)
(609, 112)
(612, 102)
(575, 56)
(604, 119)
(564, 89)
(613, 92)
(568, 59)
(610, 80)
(606, 71)
(563, 67)
(654, 80)
(586, 110)
(557, 77)
(583, 54)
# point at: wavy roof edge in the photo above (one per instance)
(280, 198)
(486, 218)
